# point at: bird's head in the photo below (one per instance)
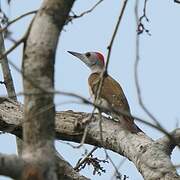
(94, 60)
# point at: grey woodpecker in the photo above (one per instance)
(111, 95)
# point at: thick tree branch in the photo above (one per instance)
(38, 66)
(150, 157)
(11, 166)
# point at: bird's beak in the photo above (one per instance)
(80, 56)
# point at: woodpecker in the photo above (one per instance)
(111, 95)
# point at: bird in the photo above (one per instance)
(111, 94)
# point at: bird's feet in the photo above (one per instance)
(85, 121)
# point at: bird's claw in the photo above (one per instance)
(84, 122)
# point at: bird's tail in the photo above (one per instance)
(130, 125)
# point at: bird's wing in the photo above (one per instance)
(111, 91)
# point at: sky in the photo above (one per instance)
(158, 70)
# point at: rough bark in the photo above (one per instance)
(150, 157)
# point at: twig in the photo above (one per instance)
(97, 93)
(13, 47)
(90, 160)
(116, 169)
(141, 28)
(86, 129)
(83, 138)
(119, 165)
(22, 40)
(84, 160)
(136, 74)
(29, 79)
(104, 72)
(158, 125)
(83, 13)
(16, 19)
(101, 137)
(115, 32)
(177, 1)
(144, 12)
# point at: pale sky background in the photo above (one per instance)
(159, 68)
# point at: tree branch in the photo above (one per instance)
(71, 18)
(6, 71)
(16, 19)
(177, 1)
(38, 65)
(11, 166)
(149, 156)
(167, 143)
(2, 56)
(122, 9)
(136, 65)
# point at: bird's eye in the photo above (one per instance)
(88, 54)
